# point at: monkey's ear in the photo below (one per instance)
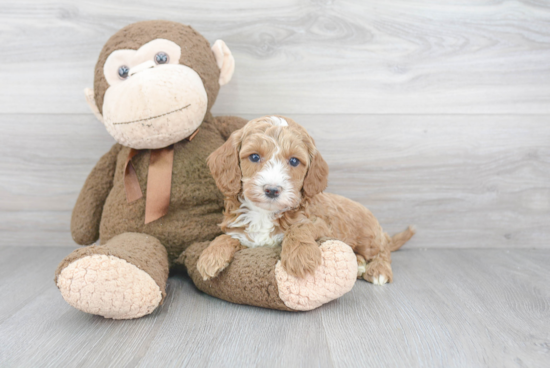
(225, 61)
(89, 93)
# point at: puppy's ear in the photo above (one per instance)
(317, 176)
(224, 165)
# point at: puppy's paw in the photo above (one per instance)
(378, 272)
(301, 260)
(211, 263)
(361, 266)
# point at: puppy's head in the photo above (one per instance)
(272, 161)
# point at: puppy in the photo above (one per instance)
(273, 179)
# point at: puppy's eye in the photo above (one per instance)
(161, 58)
(254, 157)
(123, 71)
(294, 161)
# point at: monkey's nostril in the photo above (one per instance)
(272, 192)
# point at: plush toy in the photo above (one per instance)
(152, 196)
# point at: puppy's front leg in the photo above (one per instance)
(301, 254)
(217, 256)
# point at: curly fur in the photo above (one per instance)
(306, 214)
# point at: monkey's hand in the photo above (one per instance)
(89, 205)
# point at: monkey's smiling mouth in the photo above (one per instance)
(152, 117)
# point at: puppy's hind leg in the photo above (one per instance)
(378, 271)
(374, 260)
(378, 268)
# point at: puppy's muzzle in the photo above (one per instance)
(271, 191)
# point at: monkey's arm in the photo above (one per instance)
(228, 124)
(89, 205)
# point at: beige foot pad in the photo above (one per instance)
(109, 286)
(335, 277)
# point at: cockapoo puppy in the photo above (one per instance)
(273, 179)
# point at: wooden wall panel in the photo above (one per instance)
(465, 180)
(432, 113)
(349, 56)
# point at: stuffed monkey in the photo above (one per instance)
(152, 196)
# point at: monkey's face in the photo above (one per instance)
(152, 100)
(155, 81)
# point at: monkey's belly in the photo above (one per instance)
(177, 230)
(194, 213)
(196, 204)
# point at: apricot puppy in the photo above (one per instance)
(273, 179)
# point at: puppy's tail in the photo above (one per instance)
(401, 238)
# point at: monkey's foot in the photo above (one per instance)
(333, 278)
(109, 286)
(123, 279)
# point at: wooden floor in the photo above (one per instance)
(446, 308)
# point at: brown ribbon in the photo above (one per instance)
(131, 183)
(159, 181)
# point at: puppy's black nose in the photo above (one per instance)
(272, 192)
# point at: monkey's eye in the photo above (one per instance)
(254, 157)
(161, 58)
(294, 161)
(123, 72)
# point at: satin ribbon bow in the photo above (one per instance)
(159, 181)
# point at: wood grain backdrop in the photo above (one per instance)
(431, 113)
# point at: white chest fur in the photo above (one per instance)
(258, 224)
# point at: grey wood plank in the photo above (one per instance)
(46, 159)
(349, 56)
(464, 180)
(446, 308)
(450, 308)
(25, 273)
(47, 332)
(219, 334)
